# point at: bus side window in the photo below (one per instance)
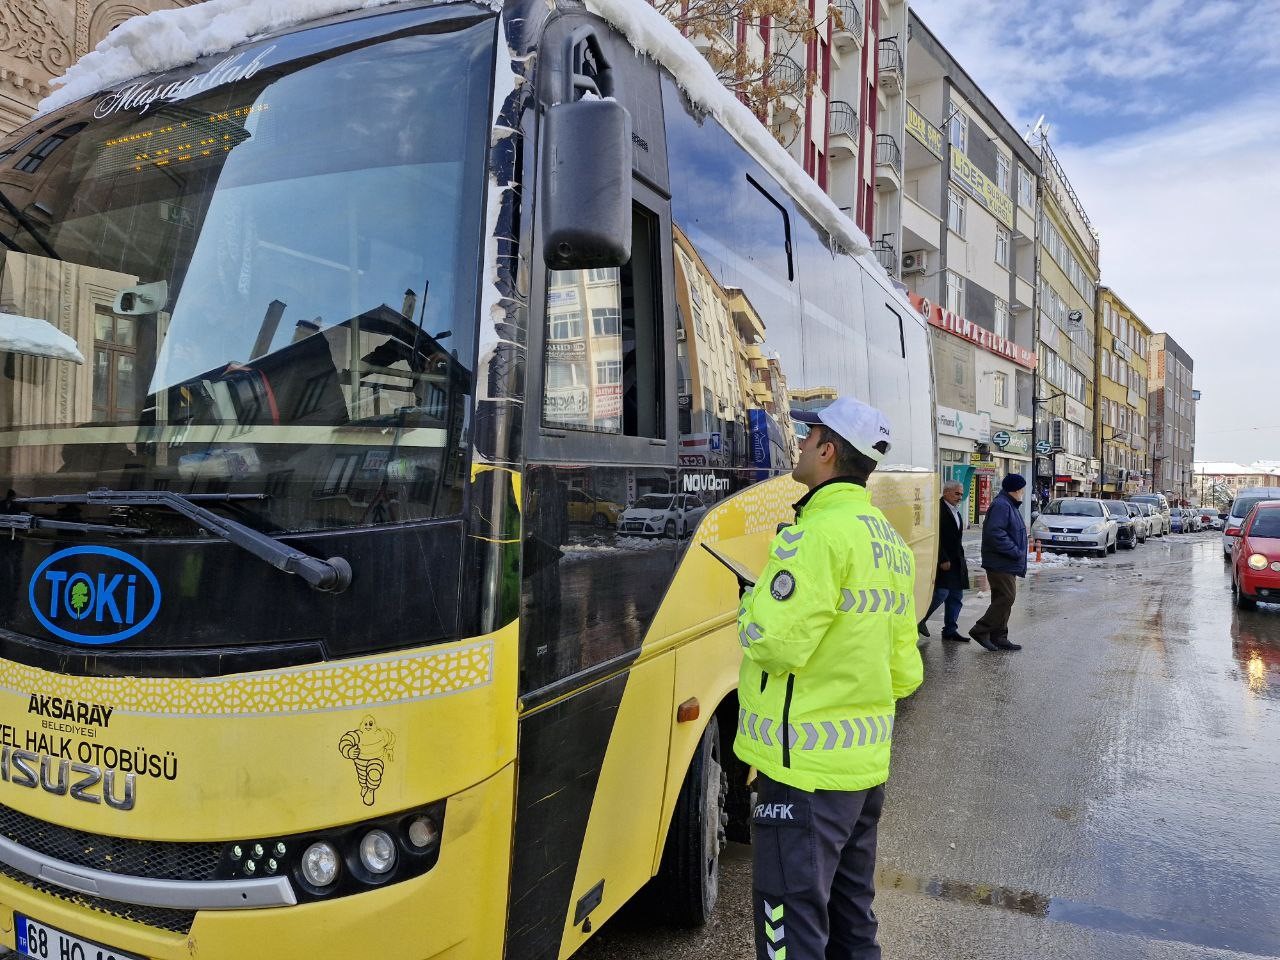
(604, 368)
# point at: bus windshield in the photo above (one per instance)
(269, 263)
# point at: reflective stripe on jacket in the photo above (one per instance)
(829, 643)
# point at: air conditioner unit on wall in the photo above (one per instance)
(1057, 433)
(915, 261)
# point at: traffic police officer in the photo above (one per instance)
(829, 638)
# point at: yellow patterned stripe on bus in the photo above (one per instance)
(394, 679)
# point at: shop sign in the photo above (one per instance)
(1019, 443)
(961, 423)
(968, 330)
(1076, 411)
(926, 134)
(980, 186)
(566, 349)
(978, 462)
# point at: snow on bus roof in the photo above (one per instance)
(36, 338)
(654, 35)
(167, 39)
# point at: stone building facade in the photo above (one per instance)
(40, 39)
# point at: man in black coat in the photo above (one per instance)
(1004, 557)
(952, 578)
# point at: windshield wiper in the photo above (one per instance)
(28, 522)
(332, 575)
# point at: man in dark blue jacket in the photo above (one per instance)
(1004, 557)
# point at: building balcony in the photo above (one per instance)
(886, 253)
(842, 125)
(785, 73)
(891, 78)
(849, 29)
(888, 162)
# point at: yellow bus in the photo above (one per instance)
(385, 398)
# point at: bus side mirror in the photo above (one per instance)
(586, 185)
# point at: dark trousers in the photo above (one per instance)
(953, 597)
(994, 624)
(813, 877)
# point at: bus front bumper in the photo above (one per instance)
(457, 910)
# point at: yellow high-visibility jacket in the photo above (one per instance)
(829, 645)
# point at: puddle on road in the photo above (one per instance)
(1006, 898)
(1087, 915)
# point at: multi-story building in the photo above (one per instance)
(1120, 413)
(1065, 311)
(968, 226)
(39, 39)
(888, 127)
(1171, 403)
(828, 98)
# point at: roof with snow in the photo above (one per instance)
(36, 338)
(167, 39)
(1226, 468)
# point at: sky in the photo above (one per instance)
(1165, 115)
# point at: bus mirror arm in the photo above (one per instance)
(329, 576)
(586, 185)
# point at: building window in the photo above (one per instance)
(1000, 389)
(1002, 172)
(1026, 192)
(1002, 319)
(566, 326)
(1002, 247)
(958, 130)
(115, 354)
(955, 293)
(32, 161)
(955, 211)
(606, 322)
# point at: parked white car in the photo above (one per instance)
(662, 515)
(1077, 524)
(1159, 505)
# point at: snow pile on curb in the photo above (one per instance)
(1057, 560)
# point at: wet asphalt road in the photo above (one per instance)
(1111, 791)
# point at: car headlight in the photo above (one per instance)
(1095, 528)
(320, 864)
(1258, 561)
(1039, 527)
(377, 852)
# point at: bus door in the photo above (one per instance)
(603, 527)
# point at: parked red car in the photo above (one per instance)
(1255, 557)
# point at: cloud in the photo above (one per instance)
(1186, 214)
(1082, 59)
(1165, 119)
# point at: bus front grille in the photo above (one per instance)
(159, 918)
(156, 860)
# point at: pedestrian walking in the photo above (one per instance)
(952, 577)
(829, 643)
(1004, 557)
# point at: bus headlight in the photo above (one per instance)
(320, 864)
(423, 832)
(377, 852)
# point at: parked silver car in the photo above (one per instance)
(1157, 520)
(1077, 524)
(1141, 520)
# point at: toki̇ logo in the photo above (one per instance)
(94, 595)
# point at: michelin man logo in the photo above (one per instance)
(370, 748)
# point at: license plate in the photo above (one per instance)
(36, 939)
(1067, 539)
